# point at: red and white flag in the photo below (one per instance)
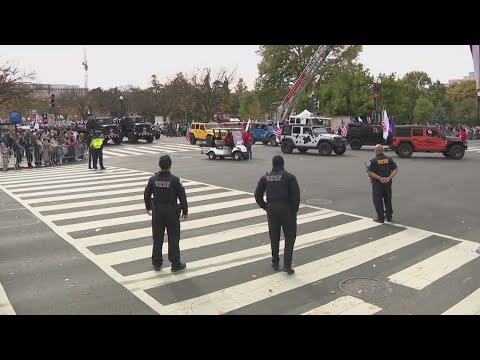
(475, 49)
(278, 133)
(385, 124)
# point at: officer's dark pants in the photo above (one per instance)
(97, 155)
(280, 215)
(165, 216)
(382, 193)
(90, 157)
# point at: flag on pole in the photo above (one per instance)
(188, 135)
(278, 133)
(248, 125)
(392, 125)
(369, 120)
(344, 128)
(385, 124)
(475, 49)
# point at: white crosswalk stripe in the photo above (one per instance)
(157, 147)
(226, 246)
(5, 305)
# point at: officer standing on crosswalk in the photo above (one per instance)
(96, 144)
(166, 188)
(283, 201)
(382, 170)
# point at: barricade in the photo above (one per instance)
(37, 156)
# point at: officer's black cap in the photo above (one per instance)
(277, 161)
(165, 162)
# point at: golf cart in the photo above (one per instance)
(221, 150)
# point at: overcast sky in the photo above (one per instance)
(118, 65)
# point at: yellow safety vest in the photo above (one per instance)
(96, 143)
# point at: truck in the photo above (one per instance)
(135, 128)
(110, 131)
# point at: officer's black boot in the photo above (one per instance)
(178, 267)
(288, 269)
(275, 264)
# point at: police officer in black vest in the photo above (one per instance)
(283, 201)
(382, 170)
(166, 188)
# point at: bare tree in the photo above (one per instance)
(73, 102)
(211, 91)
(14, 84)
(170, 97)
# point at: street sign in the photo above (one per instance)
(15, 117)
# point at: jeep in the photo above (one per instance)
(416, 138)
(203, 132)
(363, 134)
(305, 137)
(263, 132)
(134, 128)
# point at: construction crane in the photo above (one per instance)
(305, 78)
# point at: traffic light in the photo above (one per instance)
(52, 100)
(316, 104)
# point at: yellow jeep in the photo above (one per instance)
(202, 131)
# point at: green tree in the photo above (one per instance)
(423, 110)
(414, 85)
(239, 91)
(250, 106)
(281, 65)
(440, 113)
(347, 91)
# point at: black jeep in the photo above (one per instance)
(363, 134)
(136, 127)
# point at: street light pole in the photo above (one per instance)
(122, 112)
(376, 88)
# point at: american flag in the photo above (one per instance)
(278, 132)
(392, 125)
(344, 129)
(188, 135)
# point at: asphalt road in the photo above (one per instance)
(57, 257)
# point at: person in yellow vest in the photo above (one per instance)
(96, 145)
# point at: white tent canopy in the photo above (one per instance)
(304, 114)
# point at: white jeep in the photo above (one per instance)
(305, 137)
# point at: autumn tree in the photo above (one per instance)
(463, 96)
(73, 102)
(211, 90)
(14, 85)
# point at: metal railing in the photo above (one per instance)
(50, 155)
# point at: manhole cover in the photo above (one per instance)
(365, 287)
(319, 201)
